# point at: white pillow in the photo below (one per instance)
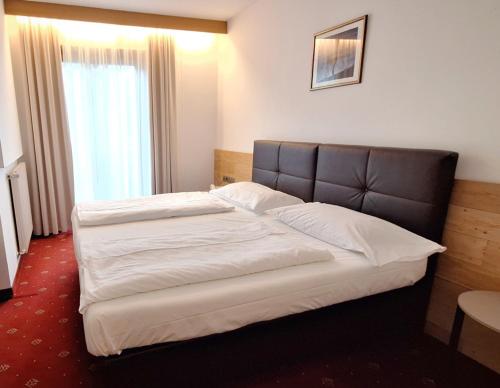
(380, 241)
(255, 197)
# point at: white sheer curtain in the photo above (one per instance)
(107, 99)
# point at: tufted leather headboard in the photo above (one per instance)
(287, 167)
(409, 187)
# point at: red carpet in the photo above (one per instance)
(41, 334)
(42, 345)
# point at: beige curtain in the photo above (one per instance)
(44, 127)
(162, 111)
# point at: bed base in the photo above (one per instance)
(398, 312)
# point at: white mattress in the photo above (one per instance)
(201, 309)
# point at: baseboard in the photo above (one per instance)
(6, 294)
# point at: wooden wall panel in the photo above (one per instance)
(472, 261)
(237, 165)
(472, 235)
(477, 195)
(474, 222)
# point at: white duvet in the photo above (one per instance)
(186, 250)
(149, 208)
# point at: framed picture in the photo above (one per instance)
(338, 55)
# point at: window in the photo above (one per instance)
(108, 112)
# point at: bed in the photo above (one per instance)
(409, 188)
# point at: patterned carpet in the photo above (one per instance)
(41, 333)
(42, 345)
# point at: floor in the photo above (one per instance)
(42, 345)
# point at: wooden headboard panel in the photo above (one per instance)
(235, 165)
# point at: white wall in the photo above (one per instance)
(10, 137)
(196, 70)
(431, 78)
(10, 151)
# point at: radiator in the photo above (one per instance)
(21, 206)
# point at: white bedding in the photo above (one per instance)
(149, 208)
(195, 310)
(184, 250)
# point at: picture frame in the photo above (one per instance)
(338, 54)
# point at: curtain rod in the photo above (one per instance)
(111, 16)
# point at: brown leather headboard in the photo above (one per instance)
(409, 187)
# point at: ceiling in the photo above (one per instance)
(206, 9)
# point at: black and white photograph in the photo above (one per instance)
(338, 55)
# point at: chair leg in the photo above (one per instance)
(457, 328)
